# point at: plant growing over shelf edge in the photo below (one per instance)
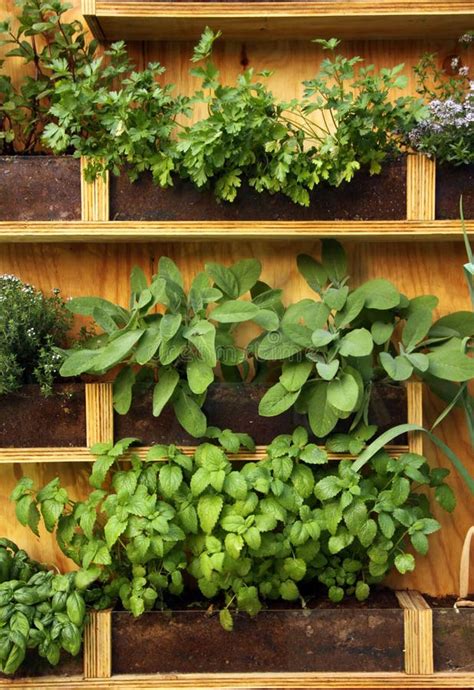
(40, 609)
(333, 349)
(176, 351)
(246, 535)
(345, 121)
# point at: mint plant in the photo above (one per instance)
(176, 351)
(333, 349)
(32, 326)
(265, 531)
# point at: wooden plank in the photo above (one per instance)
(415, 415)
(282, 20)
(183, 231)
(421, 188)
(94, 196)
(98, 645)
(29, 456)
(418, 621)
(258, 681)
(99, 413)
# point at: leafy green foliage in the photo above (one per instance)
(246, 535)
(39, 609)
(99, 106)
(333, 349)
(345, 121)
(44, 40)
(177, 350)
(31, 328)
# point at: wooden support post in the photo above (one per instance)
(418, 623)
(421, 187)
(99, 413)
(94, 196)
(98, 645)
(415, 415)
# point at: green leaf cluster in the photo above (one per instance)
(39, 610)
(32, 327)
(100, 106)
(171, 340)
(334, 348)
(265, 531)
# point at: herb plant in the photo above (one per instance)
(176, 351)
(269, 530)
(31, 327)
(39, 609)
(334, 348)
(447, 131)
(42, 37)
(344, 122)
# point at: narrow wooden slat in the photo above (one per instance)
(183, 231)
(27, 456)
(98, 645)
(254, 681)
(151, 20)
(99, 413)
(418, 623)
(415, 415)
(94, 195)
(421, 187)
(88, 7)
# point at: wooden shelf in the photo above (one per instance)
(166, 231)
(374, 19)
(29, 456)
(260, 681)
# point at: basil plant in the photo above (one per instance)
(332, 349)
(169, 339)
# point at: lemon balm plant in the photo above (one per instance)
(274, 529)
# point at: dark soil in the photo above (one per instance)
(235, 406)
(366, 197)
(452, 182)
(40, 188)
(29, 420)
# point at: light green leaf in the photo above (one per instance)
(379, 294)
(295, 374)
(247, 273)
(327, 371)
(398, 368)
(189, 414)
(312, 271)
(123, 386)
(171, 477)
(357, 343)
(209, 508)
(200, 376)
(164, 389)
(451, 365)
(321, 414)
(416, 328)
(381, 332)
(235, 311)
(276, 400)
(343, 393)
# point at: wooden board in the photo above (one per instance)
(183, 231)
(148, 20)
(276, 681)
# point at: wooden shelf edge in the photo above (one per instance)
(260, 681)
(28, 456)
(117, 19)
(145, 231)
